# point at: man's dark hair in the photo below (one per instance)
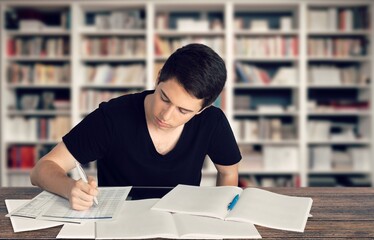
(199, 69)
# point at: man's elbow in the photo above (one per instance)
(33, 176)
(227, 179)
(35, 173)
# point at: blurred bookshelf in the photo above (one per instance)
(298, 94)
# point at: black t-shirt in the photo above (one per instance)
(116, 135)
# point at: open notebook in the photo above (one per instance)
(136, 220)
(254, 205)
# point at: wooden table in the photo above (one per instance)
(337, 213)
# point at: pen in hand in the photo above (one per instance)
(83, 176)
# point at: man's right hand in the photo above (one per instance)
(82, 194)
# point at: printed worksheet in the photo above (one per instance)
(35, 207)
(49, 206)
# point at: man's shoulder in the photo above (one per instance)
(131, 100)
(210, 117)
(212, 112)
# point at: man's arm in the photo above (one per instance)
(50, 173)
(227, 175)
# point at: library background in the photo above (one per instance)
(298, 94)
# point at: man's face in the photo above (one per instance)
(172, 105)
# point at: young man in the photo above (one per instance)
(153, 138)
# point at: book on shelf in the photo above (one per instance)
(117, 19)
(115, 75)
(191, 24)
(19, 180)
(38, 46)
(259, 25)
(21, 157)
(267, 47)
(30, 25)
(285, 76)
(270, 108)
(252, 159)
(250, 130)
(41, 100)
(114, 46)
(37, 128)
(334, 75)
(248, 73)
(251, 74)
(90, 99)
(343, 132)
(360, 157)
(242, 102)
(252, 205)
(320, 158)
(263, 129)
(338, 106)
(336, 47)
(285, 23)
(281, 158)
(319, 129)
(28, 74)
(341, 161)
(166, 46)
(334, 18)
(345, 20)
(162, 21)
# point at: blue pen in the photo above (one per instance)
(233, 202)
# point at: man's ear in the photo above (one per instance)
(203, 109)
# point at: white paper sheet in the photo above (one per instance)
(82, 231)
(48, 206)
(26, 224)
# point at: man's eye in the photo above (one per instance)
(182, 111)
(164, 99)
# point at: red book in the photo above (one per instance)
(27, 156)
(158, 46)
(295, 46)
(11, 47)
(12, 163)
(342, 20)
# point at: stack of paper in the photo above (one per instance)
(185, 212)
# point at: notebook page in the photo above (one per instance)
(199, 227)
(272, 210)
(204, 201)
(136, 220)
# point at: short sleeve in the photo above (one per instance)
(89, 140)
(223, 149)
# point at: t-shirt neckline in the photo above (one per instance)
(148, 135)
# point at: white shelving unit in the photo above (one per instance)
(361, 91)
(27, 49)
(159, 35)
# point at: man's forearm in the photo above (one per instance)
(49, 176)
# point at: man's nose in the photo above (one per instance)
(167, 113)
